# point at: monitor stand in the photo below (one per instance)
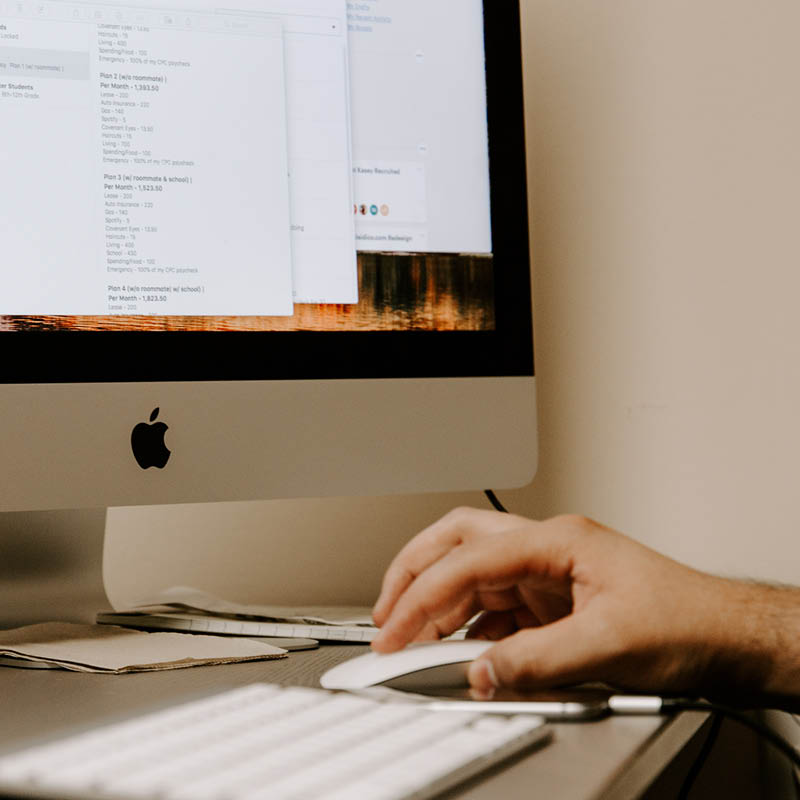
(287, 552)
(67, 565)
(51, 566)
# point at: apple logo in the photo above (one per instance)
(147, 442)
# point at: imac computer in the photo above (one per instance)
(259, 249)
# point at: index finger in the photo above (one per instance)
(536, 552)
(426, 548)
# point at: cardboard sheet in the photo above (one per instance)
(114, 650)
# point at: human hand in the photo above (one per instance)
(570, 601)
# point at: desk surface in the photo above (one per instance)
(614, 758)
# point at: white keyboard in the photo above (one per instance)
(272, 743)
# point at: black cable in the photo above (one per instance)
(702, 757)
(764, 731)
(495, 502)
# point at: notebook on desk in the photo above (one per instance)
(184, 608)
(203, 622)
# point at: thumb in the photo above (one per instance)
(561, 653)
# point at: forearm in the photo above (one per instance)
(757, 647)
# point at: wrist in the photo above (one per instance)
(755, 640)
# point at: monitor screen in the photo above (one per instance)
(262, 189)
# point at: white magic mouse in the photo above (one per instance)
(428, 665)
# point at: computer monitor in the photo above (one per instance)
(261, 249)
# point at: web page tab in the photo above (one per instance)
(320, 169)
(144, 162)
(420, 134)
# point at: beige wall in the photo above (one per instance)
(665, 173)
(665, 185)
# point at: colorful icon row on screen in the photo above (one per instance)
(371, 210)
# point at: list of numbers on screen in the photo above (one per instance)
(184, 158)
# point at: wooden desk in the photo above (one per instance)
(614, 758)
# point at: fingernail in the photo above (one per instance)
(482, 694)
(483, 679)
